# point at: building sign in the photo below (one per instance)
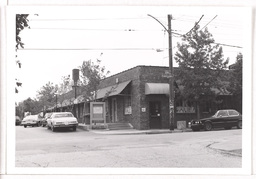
(128, 110)
(97, 112)
(97, 109)
(181, 109)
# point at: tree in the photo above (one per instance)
(47, 94)
(66, 85)
(201, 65)
(91, 74)
(32, 106)
(21, 23)
(236, 77)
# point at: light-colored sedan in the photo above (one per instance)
(31, 120)
(62, 120)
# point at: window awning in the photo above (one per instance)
(112, 90)
(157, 88)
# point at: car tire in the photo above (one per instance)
(239, 124)
(74, 128)
(207, 126)
(25, 126)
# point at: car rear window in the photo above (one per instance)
(233, 113)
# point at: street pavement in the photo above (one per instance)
(40, 147)
(234, 147)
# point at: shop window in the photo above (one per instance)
(205, 107)
(127, 105)
(185, 106)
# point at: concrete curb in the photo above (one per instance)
(130, 131)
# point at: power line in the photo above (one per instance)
(195, 24)
(125, 18)
(209, 22)
(80, 49)
(128, 30)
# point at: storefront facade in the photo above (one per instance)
(140, 96)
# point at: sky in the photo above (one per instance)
(60, 39)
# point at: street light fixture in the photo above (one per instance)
(171, 76)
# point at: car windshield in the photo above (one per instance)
(221, 113)
(63, 115)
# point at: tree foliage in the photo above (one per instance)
(21, 23)
(91, 74)
(65, 85)
(46, 95)
(32, 106)
(236, 76)
(201, 65)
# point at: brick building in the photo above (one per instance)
(140, 96)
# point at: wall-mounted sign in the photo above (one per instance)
(128, 110)
(181, 109)
(143, 109)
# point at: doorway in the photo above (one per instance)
(155, 115)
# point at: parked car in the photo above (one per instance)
(18, 121)
(62, 120)
(31, 120)
(227, 119)
(44, 120)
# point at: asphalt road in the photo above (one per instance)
(40, 147)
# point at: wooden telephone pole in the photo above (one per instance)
(171, 76)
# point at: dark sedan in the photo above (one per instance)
(227, 119)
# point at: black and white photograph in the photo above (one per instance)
(129, 90)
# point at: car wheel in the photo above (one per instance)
(208, 126)
(239, 124)
(74, 128)
(25, 126)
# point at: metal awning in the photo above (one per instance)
(157, 88)
(112, 90)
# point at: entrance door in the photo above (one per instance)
(114, 110)
(155, 115)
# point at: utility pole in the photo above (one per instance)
(171, 80)
(170, 73)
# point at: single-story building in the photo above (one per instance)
(140, 96)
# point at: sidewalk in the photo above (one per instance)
(130, 131)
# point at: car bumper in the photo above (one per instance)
(196, 126)
(29, 124)
(64, 125)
